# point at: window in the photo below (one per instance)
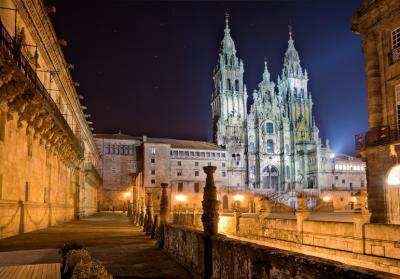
(343, 181)
(223, 155)
(175, 152)
(287, 172)
(131, 150)
(351, 185)
(153, 151)
(336, 177)
(196, 164)
(186, 153)
(107, 150)
(223, 174)
(269, 128)
(191, 153)
(213, 154)
(207, 154)
(153, 172)
(362, 183)
(179, 163)
(113, 170)
(236, 85)
(196, 173)
(153, 181)
(198, 154)
(153, 161)
(180, 186)
(209, 164)
(223, 165)
(179, 173)
(218, 155)
(270, 146)
(202, 154)
(196, 187)
(396, 38)
(228, 84)
(3, 118)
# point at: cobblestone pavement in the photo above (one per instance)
(123, 249)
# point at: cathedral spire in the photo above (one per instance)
(291, 63)
(228, 46)
(266, 74)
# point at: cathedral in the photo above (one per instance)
(275, 146)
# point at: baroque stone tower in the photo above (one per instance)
(229, 108)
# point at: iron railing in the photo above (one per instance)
(12, 51)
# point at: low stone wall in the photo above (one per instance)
(355, 242)
(238, 259)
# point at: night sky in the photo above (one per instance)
(146, 67)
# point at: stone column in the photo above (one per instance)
(360, 218)
(163, 215)
(209, 218)
(210, 203)
(149, 214)
(302, 214)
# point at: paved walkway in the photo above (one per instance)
(123, 249)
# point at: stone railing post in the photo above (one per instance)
(361, 217)
(209, 218)
(302, 214)
(149, 214)
(163, 215)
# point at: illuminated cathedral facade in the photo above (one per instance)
(275, 146)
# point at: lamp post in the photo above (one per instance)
(127, 196)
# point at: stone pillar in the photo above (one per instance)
(302, 214)
(163, 215)
(210, 203)
(209, 218)
(361, 217)
(149, 214)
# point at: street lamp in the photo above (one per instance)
(127, 196)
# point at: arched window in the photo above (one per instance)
(269, 128)
(228, 82)
(252, 172)
(232, 60)
(311, 182)
(287, 172)
(226, 59)
(251, 147)
(225, 202)
(270, 146)
(236, 85)
(270, 177)
(287, 149)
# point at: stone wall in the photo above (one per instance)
(238, 259)
(347, 238)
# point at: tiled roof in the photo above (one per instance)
(175, 143)
(117, 136)
(186, 144)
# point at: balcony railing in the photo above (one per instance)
(378, 136)
(12, 51)
(394, 56)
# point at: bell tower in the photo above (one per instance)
(229, 108)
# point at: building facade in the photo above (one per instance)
(117, 168)
(275, 147)
(378, 21)
(47, 152)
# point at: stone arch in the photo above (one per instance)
(236, 85)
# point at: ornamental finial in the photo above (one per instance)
(290, 32)
(226, 18)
